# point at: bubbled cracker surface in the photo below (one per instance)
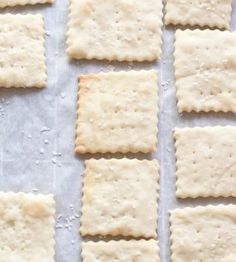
(211, 13)
(117, 112)
(205, 70)
(22, 58)
(203, 234)
(121, 251)
(205, 161)
(27, 227)
(120, 198)
(115, 30)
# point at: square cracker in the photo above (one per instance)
(120, 198)
(115, 30)
(117, 112)
(214, 13)
(6, 3)
(27, 227)
(205, 81)
(22, 58)
(121, 251)
(205, 163)
(204, 234)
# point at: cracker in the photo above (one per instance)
(27, 227)
(22, 58)
(120, 198)
(6, 3)
(117, 112)
(204, 234)
(206, 161)
(120, 251)
(115, 30)
(215, 13)
(205, 81)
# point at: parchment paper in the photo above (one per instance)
(37, 133)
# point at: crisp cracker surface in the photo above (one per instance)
(205, 81)
(117, 112)
(205, 161)
(22, 58)
(214, 13)
(115, 30)
(204, 234)
(120, 198)
(121, 251)
(27, 227)
(6, 3)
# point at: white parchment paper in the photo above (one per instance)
(37, 133)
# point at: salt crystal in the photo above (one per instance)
(41, 151)
(63, 95)
(54, 161)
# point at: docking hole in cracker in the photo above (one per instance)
(203, 234)
(115, 30)
(117, 112)
(120, 198)
(210, 13)
(120, 251)
(22, 51)
(205, 81)
(205, 161)
(27, 227)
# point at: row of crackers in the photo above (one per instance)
(117, 112)
(204, 81)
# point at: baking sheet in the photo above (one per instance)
(37, 133)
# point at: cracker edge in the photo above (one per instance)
(27, 2)
(69, 40)
(178, 193)
(179, 211)
(123, 241)
(52, 244)
(87, 163)
(78, 150)
(173, 22)
(187, 107)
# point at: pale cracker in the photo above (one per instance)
(205, 81)
(205, 161)
(117, 112)
(211, 13)
(121, 251)
(115, 30)
(6, 3)
(120, 198)
(27, 227)
(22, 58)
(203, 234)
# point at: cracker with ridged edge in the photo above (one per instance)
(27, 227)
(22, 51)
(120, 251)
(115, 30)
(120, 198)
(205, 81)
(215, 13)
(203, 234)
(9, 3)
(117, 112)
(205, 161)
